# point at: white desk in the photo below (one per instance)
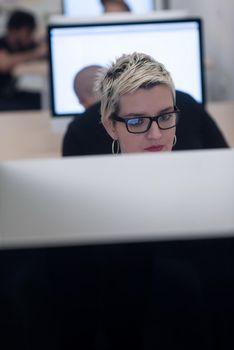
(25, 135)
(33, 68)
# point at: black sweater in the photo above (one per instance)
(196, 130)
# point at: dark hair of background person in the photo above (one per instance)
(19, 19)
(122, 3)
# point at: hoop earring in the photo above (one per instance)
(174, 141)
(115, 147)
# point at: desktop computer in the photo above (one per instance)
(110, 252)
(74, 44)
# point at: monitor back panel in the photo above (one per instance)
(145, 295)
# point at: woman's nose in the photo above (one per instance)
(154, 132)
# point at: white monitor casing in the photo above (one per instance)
(101, 199)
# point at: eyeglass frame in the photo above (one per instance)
(116, 118)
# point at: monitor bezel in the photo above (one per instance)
(115, 22)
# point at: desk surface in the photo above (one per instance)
(27, 135)
(32, 68)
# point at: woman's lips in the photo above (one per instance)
(155, 148)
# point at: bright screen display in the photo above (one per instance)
(175, 43)
(94, 7)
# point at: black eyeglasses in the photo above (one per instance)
(139, 125)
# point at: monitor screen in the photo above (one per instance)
(175, 43)
(94, 7)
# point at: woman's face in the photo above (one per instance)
(144, 102)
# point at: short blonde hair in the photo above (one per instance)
(127, 74)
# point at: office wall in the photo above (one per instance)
(219, 43)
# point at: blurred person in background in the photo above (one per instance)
(85, 134)
(84, 85)
(115, 6)
(18, 45)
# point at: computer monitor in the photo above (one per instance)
(44, 199)
(176, 43)
(113, 251)
(94, 7)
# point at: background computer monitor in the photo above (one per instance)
(176, 43)
(94, 7)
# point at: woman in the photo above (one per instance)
(138, 106)
(139, 112)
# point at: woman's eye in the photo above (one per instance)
(166, 117)
(135, 121)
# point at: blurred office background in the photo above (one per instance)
(218, 42)
(36, 134)
(218, 29)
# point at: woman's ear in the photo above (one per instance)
(109, 125)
